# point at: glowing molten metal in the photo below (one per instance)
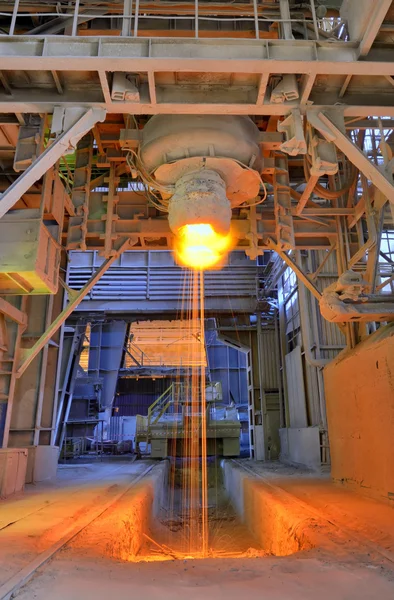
(200, 247)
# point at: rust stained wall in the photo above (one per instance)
(360, 409)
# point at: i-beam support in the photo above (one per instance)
(68, 139)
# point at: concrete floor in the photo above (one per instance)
(84, 568)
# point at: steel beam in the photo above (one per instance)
(297, 270)
(154, 55)
(28, 355)
(49, 157)
(378, 13)
(383, 181)
(46, 104)
(32, 53)
(364, 19)
(13, 313)
(306, 194)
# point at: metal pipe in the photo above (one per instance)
(196, 18)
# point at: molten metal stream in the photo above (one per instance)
(199, 246)
(194, 483)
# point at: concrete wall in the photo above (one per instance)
(280, 524)
(360, 408)
(138, 507)
(300, 446)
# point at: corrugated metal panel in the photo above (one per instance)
(228, 366)
(312, 394)
(296, 389)
(269, 360)
(329, 333)
(154, 275)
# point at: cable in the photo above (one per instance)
(324, 192)
(261, 182)
(319, 189)
(146, 178)
(162, 204)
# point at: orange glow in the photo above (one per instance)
(200, 247)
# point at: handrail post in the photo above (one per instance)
(14, 16)
(74, 30)
(196, 18)
(136, 15)
(127, 15)
(256, 20)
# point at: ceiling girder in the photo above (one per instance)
(152, 57)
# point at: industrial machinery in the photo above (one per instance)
(265, 128)
(197, 168)
(175, 416)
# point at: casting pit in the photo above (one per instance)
(244, 519)
(177, 532)
(279, 523)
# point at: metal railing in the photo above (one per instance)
(128, 19)
(136, 357)
(159, 406)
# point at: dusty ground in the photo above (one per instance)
(73, 576)
(31, 522)
(86, 569)
(366, 517)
